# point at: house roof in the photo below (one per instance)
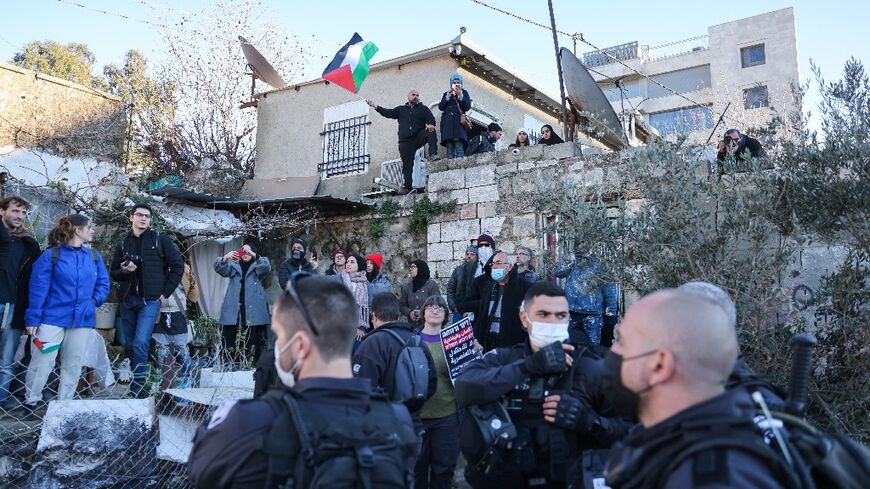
(326, 203)
(476, 60)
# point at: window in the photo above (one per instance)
(345, 139)
(752, 55)
(682, 121)
(755, 97)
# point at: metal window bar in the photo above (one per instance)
(345, 146)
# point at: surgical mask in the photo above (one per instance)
(296, 255)
(498, 274)
(624, 400)
(484, 253)
(544, 334)
(288, 377)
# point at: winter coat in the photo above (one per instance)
(554, 139)
(451, 288)
(7, 275)
(511, 330)
(480, 144)
(289, 266)
(412, 118)
(25, 267)
(256, 305)
(451, 128)
(410, 300)
(746, 143)
(69, 295)
(161, 275)
(381, 283)
(464, 282)
(530, 275)
(586, 293)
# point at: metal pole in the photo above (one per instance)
(559, 68)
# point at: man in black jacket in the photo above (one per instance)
(296, 262)
(737, 144)
(554, 397)
(18, 251)
(378, 354)
(148, 267)
(495, 298)
(416, 128)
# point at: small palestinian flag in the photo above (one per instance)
(46, 347)
(351, 64)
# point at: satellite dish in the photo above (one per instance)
(261, 68)
(586, 96)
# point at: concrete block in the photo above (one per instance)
(546, 163)
(468, 211)
(433, 233)
(208, 377)
(444, 196)
(560, 151)
(506, 169)
(439, 251)
(492, 226)
(460, 230)
(524, 225)
(176, 438)
(525, 166)
(447, 180)
(476, 176)
(488, 193)
(443, 269)
(486, 209)
(96, 443)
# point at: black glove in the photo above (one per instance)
(548, 360)
(572, 414)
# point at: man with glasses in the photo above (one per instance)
(737, 144)
(256, 443)
(495, 298)
(416, 129)
(524, 265)
(148, 267)
(378, 355)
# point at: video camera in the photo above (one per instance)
(131, 258)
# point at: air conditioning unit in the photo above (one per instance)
(391, 171)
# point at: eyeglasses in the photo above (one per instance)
(524, 254)
(500, 263)
(484, 245)
(295, 277)
(139, 214)
(435, 308)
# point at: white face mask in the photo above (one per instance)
(485, 253)
(544, 334)
(288, 377)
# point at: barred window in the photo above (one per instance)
(755, 97)
(345, 139)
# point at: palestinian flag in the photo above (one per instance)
(351, 64)
(46, 347)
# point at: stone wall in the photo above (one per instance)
(44, 112)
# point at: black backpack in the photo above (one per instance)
(307, 450)
(411, 381)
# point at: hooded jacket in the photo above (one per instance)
(290, 265)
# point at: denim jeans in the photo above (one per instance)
(137, 318)
(8, 345)
(455, 148)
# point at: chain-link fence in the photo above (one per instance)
(105, 437)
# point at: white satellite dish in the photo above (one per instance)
(586, 96)
(259, 66)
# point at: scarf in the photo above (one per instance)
(360, 294)
(422, 275)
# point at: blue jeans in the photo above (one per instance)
(137, 318)
(455, 148)
(8, 345)
(590, 323)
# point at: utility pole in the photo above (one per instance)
(559, 68)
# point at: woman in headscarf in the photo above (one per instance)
(522, 139)
(354, 278)
(415, 292)
(453, 104)
(548, 136)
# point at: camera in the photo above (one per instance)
(515, 151)
(131, 258)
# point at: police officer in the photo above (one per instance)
(314, 322)
(675, 352)
(554, 397)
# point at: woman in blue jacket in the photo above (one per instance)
(68, 283)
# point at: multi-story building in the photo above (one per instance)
(683, 87)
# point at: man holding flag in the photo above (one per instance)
(416, 128)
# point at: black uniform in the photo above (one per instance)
(228, 449)
(412, 134)
(502, 374)
(376, 360)
(646, 453)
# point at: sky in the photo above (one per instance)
(828, 32)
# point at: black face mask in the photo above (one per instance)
(296, 255)
(624, 400)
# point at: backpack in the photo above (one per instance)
(412, 369)
(307, 450)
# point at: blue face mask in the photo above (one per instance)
(498, 274)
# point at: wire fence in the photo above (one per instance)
(105, 437)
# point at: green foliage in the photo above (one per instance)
(386, 211)
(71, 62)
(206, 331)
(424, 210)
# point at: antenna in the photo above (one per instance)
(586, 96)
(260, 68)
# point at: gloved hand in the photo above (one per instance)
(568, 412)
(549, 360)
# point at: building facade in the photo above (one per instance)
(684, 86)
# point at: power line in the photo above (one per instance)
(9, 43)
(113, 14)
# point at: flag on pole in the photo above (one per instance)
(351, 64)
